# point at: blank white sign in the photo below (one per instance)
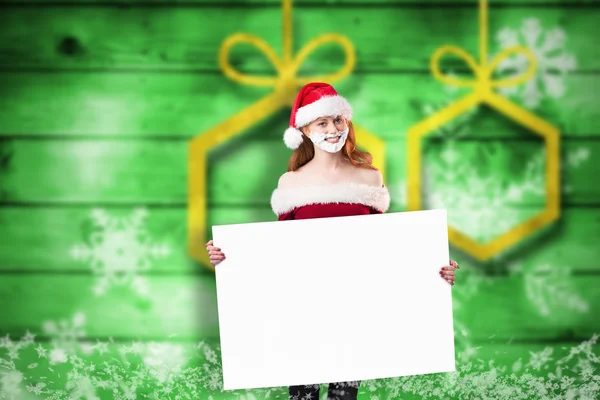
(334, 299)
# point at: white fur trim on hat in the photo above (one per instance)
(285, 200)
(292, 138)
(326, 106)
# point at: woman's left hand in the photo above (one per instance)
(447, 272)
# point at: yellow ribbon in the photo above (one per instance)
(287, 67)
(483, 82)
(483, 92)
(285, 84)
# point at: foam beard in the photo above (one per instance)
(320, 140)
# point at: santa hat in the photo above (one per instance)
(315, 100)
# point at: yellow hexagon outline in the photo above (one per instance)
(550, 134)
(200, 145)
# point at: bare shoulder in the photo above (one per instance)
(287, 180)
(372, 177)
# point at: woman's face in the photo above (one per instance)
(326, 125)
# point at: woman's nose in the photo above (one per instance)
(331, 128)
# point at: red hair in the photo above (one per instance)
(306, 151)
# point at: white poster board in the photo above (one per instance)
(334, 299)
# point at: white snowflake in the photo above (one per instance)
(481, 206)
(551, 290)
(164, 360)
(574, 159)
(13, 348)
(66, 338)
(119, 251)
(553, 62)
(578, 156)
(11, 384)
(540, 359)
(82, 387)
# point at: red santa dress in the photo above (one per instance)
(333, 200)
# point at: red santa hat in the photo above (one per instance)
(315, 100)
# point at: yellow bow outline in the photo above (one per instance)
(284, 83)
(286, 67)
(483, 92)
(483, 82)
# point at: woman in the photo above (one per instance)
(327, 177)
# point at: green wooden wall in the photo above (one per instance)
(100, 99)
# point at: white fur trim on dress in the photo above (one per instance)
(285, 200)
(327, 106)
(292, 138)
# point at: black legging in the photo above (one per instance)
(337, 391)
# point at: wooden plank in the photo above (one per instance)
(174, 306)
(55, 240)
(188, 370)
(542, 305)
(184, 105)
(244, 172)
(185, 307)
(168, 38)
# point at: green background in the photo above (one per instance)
(98, 295)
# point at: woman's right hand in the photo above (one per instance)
(215, 253)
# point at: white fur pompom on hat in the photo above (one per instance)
(292, 138)
(315, 100)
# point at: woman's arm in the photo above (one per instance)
(285, 181)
